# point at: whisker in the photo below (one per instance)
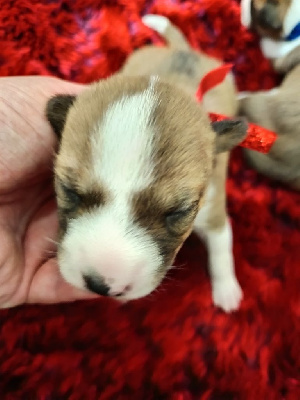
(180, 266)
(174, 282)
(51, 252)
(48, 239)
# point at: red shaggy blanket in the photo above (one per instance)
(174, 344)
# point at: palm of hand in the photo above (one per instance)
(28, 268)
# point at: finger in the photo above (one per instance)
(69, 87)
(48, 286)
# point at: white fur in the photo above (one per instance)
(156, 22)
(292, 17)
(246, 13)
(122, 151)
(106, 241)
(227, 293)
(277, 48)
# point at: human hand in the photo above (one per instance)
(28, 215)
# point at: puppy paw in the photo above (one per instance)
(227, 294)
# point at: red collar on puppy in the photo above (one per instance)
(258, 138)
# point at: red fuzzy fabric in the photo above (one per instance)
(174, 344)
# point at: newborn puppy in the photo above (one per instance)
(279, 24)
(138, 166)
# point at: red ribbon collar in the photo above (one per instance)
(258, 138)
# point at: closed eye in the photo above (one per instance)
(175, 216)
(73, 198)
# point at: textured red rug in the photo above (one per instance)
(174, 344)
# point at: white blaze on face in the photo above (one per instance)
(123, 143)
(107, 242)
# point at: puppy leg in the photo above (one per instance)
(284, 166)
(258, 107)
(226, 290)
(285, 64)
(213, 226)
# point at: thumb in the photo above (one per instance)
(48, 286)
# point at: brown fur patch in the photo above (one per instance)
(222, 99)
(74, 158)
(183, 163)
(152, 212)
(57, 110)
(183, 140)
(183, 143)
(72, 202)
(73, 161)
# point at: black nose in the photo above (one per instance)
(96, 285)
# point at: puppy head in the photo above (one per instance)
(134, 160)
(271, 18)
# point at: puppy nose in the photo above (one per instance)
(268, 18)
(96, 285)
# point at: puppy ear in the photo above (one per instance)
(230, 133)
(56, 111)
